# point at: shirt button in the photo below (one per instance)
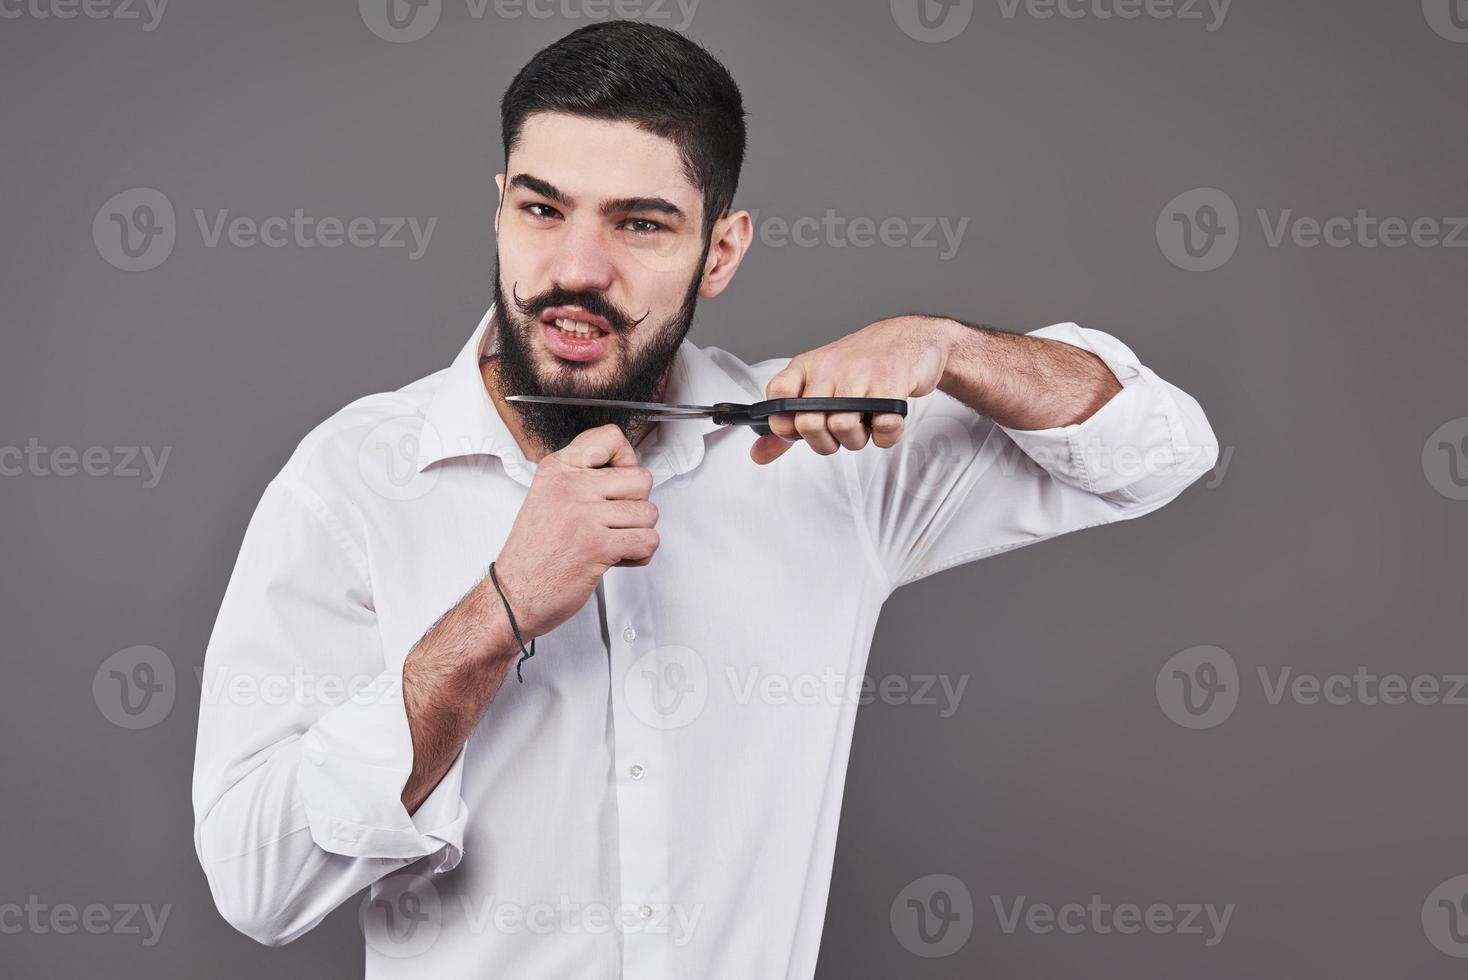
(629, 634)
(636, 772)
(645, 911)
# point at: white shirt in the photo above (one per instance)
(660, 797)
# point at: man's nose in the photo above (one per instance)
(582, 262)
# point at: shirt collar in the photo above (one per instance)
(461, 419)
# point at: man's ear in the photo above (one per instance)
(731, 238)
(499, 180)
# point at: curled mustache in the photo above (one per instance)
(592, 302)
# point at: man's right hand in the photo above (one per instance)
(587, 511)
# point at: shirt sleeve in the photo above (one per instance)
(303, 744)
(959, 487)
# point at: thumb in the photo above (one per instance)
(767, 449)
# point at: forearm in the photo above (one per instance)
(449, 678)
(1021, 382)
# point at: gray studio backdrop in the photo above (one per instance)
(1223, 740)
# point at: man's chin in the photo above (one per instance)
(577, 379)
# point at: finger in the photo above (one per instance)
(614, 483)
(603, 445)
(634, 544)
(767, 449)
(887, 429)
(812, 425)
(627, 513)
(789, 383)
(848, 429)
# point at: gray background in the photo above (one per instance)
(1323, 547)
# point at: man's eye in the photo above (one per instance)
(542, 211)
(643, 226)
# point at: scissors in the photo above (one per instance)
(733, 413)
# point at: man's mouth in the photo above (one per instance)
(574, 334)
(573, 319)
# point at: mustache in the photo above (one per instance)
(593, 302)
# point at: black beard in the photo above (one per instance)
(552, 427)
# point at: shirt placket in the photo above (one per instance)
(638, 752)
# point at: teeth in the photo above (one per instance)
(579, 328)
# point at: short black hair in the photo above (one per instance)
(654, 77)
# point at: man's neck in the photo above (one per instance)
(531, 449)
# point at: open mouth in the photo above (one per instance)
(574, 334)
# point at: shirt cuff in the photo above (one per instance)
(1137, 439)
(356, 760)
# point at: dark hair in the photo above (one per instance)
(651, 76)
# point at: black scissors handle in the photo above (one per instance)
(754, 416)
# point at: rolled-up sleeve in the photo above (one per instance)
(303, 744)
(959, 487)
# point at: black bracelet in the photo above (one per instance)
(513, 625)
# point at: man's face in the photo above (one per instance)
(600, 259)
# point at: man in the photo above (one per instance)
(635, 802)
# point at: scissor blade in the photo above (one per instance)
(654, 410)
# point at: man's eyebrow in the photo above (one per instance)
(542, 187)
(660, 205)
(545, 188)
